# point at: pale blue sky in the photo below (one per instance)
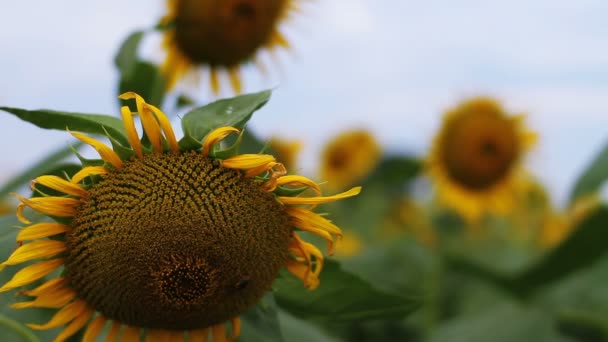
(392, 66)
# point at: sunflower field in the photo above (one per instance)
(174, 217)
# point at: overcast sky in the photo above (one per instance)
(392, 66)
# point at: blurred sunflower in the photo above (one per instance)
(407, 216)
(221, 35)
(163, 242)
(349, 245)
(348, 158)
(286, 151)
(475, 158)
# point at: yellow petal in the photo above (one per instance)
(236, 328)
(131, 334)
(88, 171)
(63, 316)
(52, 206)
(297, 180)
(94, 329)
(106, 153)
(165, 124)
(215, 82)
(235, 79)
(218, 332)
(31, 273)
(306, 217)
(199, 335)
(319, 200)
(216, 136)
(51, 299)
(41, 230)
(59, 184)
(75, 326)
(113, 333)
(157, 335)
(132, 136)
(303, 273)
(51, 285)
(151, 127)
(35, 250)
(177, 336)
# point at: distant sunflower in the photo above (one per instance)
(166, 243)
(221, 35)
(348, 158)
(475, 158)
(557, 227)
(286, 151)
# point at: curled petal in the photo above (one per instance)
(297, 180)
(319, 200)
(303, 273)
(253, 164)
(52, 206)
(165, 125)
(216, 136)
(63, 316)
(88, 171)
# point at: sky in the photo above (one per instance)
(390, 66)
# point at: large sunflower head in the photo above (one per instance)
(475, 157)
(162, 241)
(221, 35)
(349, 157)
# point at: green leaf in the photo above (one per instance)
(586, 245)
(146, 80)
(593, 177)
(340, 297)
(234, 112)
(12, 330)
(87, 123)
(506, 322)
(126, 58)
(40, 168)
(261, 323)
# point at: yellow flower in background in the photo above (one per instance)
(407, 216)
(221, 35)
(5, 208)
(286, 151)
(349, 245)
(348, 158)
(557, 227)
(166, 243)
(475, 158)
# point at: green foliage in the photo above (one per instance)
(234, 112)
(341, 297)
(593, 177)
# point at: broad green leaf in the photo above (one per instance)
(261, 323)
(298, 330)
(12, 330)
(504, 323)
(234, 112)
(340, 297)
(146, 80)
(593, 177)
(586, 245)
(40, 168)
(87, 123)
(126, 58)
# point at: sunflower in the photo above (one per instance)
(348, 158)
(557, 227)
(475, 158)
(221, 35)
(168, 243)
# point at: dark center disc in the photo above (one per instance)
(176, 242)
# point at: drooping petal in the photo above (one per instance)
(63, 316)
(59, 184)
(50, 299)
(75, 326)
(297, 180)
(165, 125)
(131, 334)
(51, 285)
(235, 79)
(200, 335)
(302, 272)
(88, 171)
(35, 250)
(94, 328)
(215, 137)
(319, 200)
(215, 82)
(218, 332)
(31, 273)
(113, 333)
(248, 162)
(105, 152)
(52, 206)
